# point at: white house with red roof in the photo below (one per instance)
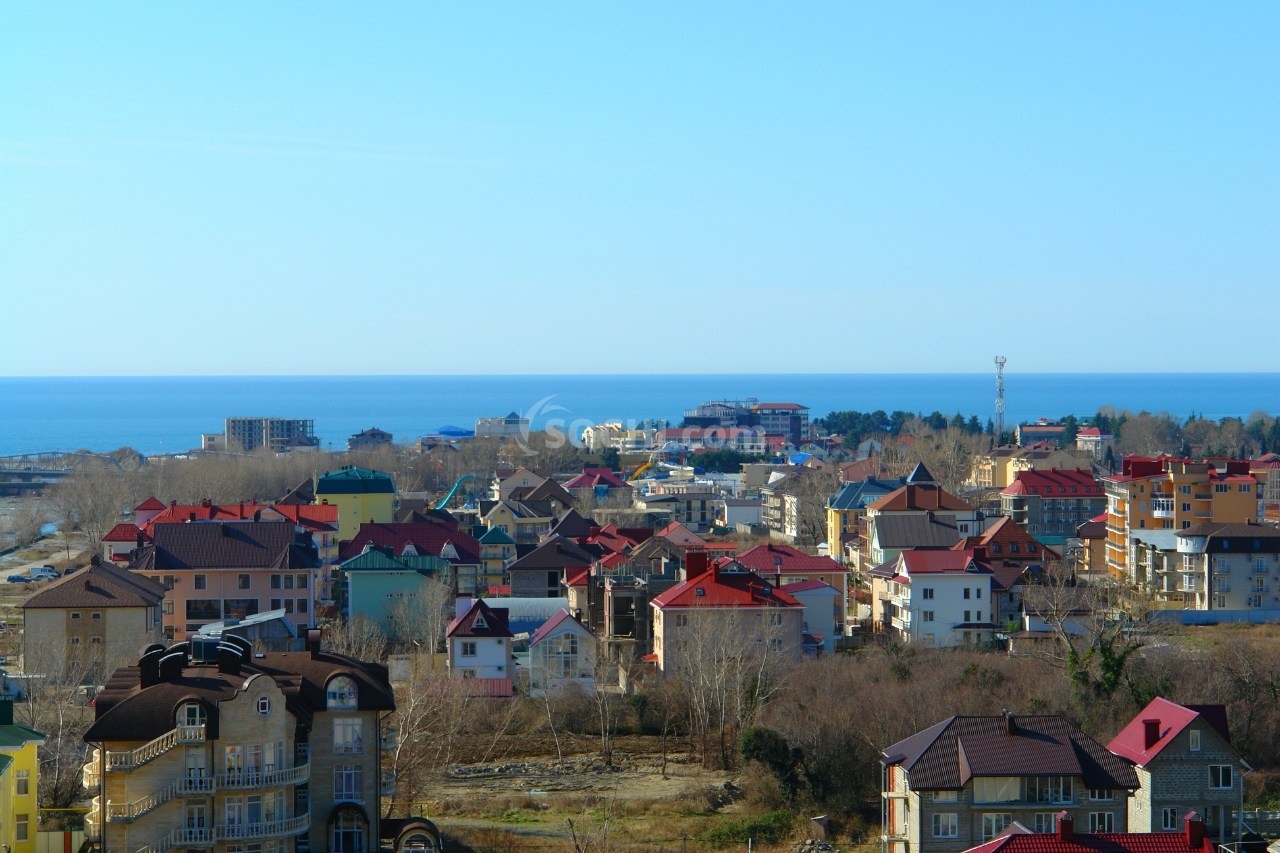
(480, 647)
(783, 565)
(562, 654)
(1095, 442)
(725, 609)
(1185, 761)
(935, 597)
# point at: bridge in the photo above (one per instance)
(31, 472)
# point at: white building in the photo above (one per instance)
(562, 653)
(480, 647)
(935, 598)
(1230, 566)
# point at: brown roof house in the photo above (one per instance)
(963, 781)
(208, 745)
(98, 617)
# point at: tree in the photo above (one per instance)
(611, 458)
(771, 750)
(432, 712)
(93, 501)
(360, 637)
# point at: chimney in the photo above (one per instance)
(1066, 826)
(229, 658)
(149, 665)
(191, 516)
(313, 642)
(695, 563)
(257, 515)
(1193, 829)
(6, 711)
(1010, 723)
(140, 539)
(1150, 733)
(980, 553)
(88, 585)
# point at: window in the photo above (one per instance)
(946, 796)
(468, 648)
(977, 593)
(945, 825)
(348, 736)
(201, 581)
(276, 604)
(95, 615)
(168, 607)
(775, 620)
(926, 615)
(75, 615)
(1102, 795)
(341, 693)
(275, 581)
(302, 606)
(23, 783)
(1049, 789)
(1220, 776)
(1194, 738)
(927, 593)
(22, 826)
(288, 605)
(996, 789)
(348, 782)
(1046, 822)
(288, 581)
(264, 705)
(994, 823)
(1169, 818)
(682, 620)
(1101, 822)
(242, 581)
(348, 833)
(967, 614)
(204, 608)
(302, 582)
(966, 592)
(1013, 547)
(191, 714)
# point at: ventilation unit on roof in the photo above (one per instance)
(699, 592)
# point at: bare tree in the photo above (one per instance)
(361, 638)
(31, 515)
(93, 501)
(430, 721)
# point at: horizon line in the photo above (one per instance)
(1008, 374)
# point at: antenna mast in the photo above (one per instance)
(1000, 362)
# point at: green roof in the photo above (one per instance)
(377, 560)
(5, 761)
(355, 481)
(495, 536)
(15, 735)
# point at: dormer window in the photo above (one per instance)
(191, 714)
(480, 623)
(341, 693)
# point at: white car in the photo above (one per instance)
(43, 574)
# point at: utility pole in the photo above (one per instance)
(1000, 362)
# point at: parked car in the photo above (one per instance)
(17, 578)
(43, 574)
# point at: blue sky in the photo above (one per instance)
(659, 187)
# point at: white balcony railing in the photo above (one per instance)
(265, 829)
(134, 758)
(242, 780)
(93, 770)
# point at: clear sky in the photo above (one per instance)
(643, 187)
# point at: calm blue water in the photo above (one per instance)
(167, 414)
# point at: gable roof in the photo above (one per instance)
(1051, 482)
(224, 545)
(426, 538)
(857, 494)
(783, 559)
(919, 497)
(495, 536)
(947, 755)
(479, 620)
(1172, 719)
(555, 553)
(377, 559)
(99, 585)
(1006, 532)
(126, 532)
(352, 480)
(591, 478)
(1018, 839)
(549, 627)
(151, 503)
(917, 531)
(723, 587)
(314, 517)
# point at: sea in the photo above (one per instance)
(165, 415)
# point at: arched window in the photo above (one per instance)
(342, 693)
(191, 714)
(348, 830)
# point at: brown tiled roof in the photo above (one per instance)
(947, 755)
(126, 711)
(556, 553)
(99, 585)
(917, 531)
(494, 623)
(230, 545)
(918, 497)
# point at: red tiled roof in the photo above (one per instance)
(125, 532)
(788, 407)
(808, 586)
(1089, 431)
(576, 577)
(1018, 839)
(494, 624)
(149, 504)
(311, 516)
(551, 624)
(783, 559)
(935, 562)
(593, 477)
(1172, 718)
(721, 588)
(1054, 482)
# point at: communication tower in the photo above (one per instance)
(1000, 362)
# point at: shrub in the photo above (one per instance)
(770, 828)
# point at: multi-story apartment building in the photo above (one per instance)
(98, 617)
(996, 468)
(361, 495)
(19, 781)
(209, 746)
(225, 570)
(1044, 430)
(920, 514)
(1227, 566)
(846, 507)
(1052, 503)
(938, 597)
(1095, 442)
(1167, 493)
(786, 419)
(1185, 762)
(965, 780)
(249, 434)
(511, 426)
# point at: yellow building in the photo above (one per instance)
(1164, 493)
(361, 495)
(997, 468)
(19, 777)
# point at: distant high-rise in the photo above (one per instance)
(248, 434)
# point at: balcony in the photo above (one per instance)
(282, 828)
(93, 770)
(1161, 508)
(134, 758)
(245, 780)
(93, 820)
